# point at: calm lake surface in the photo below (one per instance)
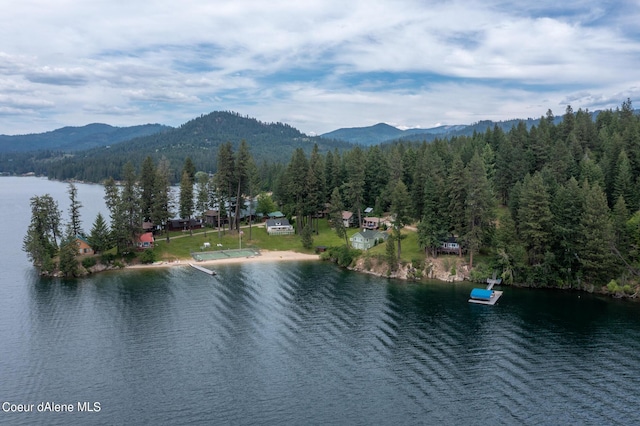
(299, 343)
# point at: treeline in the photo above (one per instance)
(553, 205)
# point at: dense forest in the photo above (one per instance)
(198, 139)
(76, 138)
(554, 204)
(550, 205)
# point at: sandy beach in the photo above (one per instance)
(265, 256)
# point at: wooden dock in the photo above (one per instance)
(200, 268)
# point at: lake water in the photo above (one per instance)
(299, 343)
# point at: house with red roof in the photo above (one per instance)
(145, 241)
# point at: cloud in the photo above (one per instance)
(317, 65)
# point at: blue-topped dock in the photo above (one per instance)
(486, 296)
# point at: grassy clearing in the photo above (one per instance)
(410, 248)
(182, 245)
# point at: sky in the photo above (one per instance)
(317, 65)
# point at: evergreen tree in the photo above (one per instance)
(376, 175)
(433, 226)
(244, 163)
(161, 209)
(315, 185)
(400, 207)
(119, 229)
(147, 181)
(596, 258)
(390, 254)
(479, 206)
(40, 242)
(457, 190)
(590, 170)
(130, 203)
(100, 238)
(567, 207)
(225, 177)
(307, 237)
(621, 238)
(335, 215)
(75, 224)
(69, 257)
(624, 185)
(190, 168)
(354, 187)
(202, 195)
(534, 217)
(186, 198)
(511, 253)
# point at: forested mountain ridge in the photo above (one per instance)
(77, 138)
(382, 132)
(199, 139)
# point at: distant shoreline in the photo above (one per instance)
(264, 256)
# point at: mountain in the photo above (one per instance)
(199, 139)
(382, 133)
(371, 135)
(77, 138)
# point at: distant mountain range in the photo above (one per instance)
(199, 139)
(57, 153)
(382, 133)
(77, 138)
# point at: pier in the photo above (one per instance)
(200, 268)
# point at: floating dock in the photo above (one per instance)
(200, 268)
(487, 296)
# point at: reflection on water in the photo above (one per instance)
(306, 342)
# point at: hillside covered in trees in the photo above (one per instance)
(549, 205)
(199, 139)
(71, 139)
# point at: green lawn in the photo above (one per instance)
(182, 245)
(410, 248)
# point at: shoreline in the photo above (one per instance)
(265, 256)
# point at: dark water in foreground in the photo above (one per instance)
(304, 343)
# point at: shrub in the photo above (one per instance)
(147, 256)
(88, 262)
(367, 263)
(107, 258)
(343, 255)
(417, 263)
(129, 256)
(612, 286)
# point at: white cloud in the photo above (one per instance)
(317, 65)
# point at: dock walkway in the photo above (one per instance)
(200, 268)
